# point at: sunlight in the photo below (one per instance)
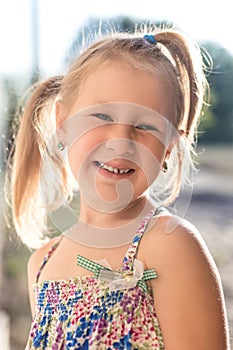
(59, 21)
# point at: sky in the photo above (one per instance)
(59, 20)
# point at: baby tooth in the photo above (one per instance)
(112, 169)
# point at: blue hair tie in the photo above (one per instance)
(150, 38)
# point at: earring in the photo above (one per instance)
(165, 166)
(61, 145)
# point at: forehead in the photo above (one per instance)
(114, 83)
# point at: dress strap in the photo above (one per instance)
(46, 258)
(128, 261)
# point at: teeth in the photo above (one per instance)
(123, 171)
(111, 169)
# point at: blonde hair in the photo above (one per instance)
(175, 58)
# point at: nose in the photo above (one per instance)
(120, 140)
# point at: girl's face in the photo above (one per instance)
(118, 136)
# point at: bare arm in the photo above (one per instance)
(188, 294)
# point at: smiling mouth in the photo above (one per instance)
(112, 169)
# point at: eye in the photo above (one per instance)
(147, 127)
(103, 116)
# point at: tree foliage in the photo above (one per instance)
(217, 125)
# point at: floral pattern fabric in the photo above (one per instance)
(83, 313)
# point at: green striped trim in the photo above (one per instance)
(149, 275)
(90, 265)
(142, 284)
(96, 268)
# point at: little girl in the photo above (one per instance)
(127, 274)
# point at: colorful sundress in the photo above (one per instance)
(109, 310)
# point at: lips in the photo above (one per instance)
(113, 169)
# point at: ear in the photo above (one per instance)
(175, 140)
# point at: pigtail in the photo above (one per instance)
(186, 61)
(36, 124)
(190, 72)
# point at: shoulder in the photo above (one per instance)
(175, 248)
(36, 259)
(174, 240)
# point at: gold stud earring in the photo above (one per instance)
(165, 166)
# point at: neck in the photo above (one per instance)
(96, 218)
(104, 230)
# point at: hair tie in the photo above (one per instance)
(150, 38)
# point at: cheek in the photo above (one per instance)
(152, 151)
(78, 152)
(152, 155)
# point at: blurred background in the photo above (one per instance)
(38, 39)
